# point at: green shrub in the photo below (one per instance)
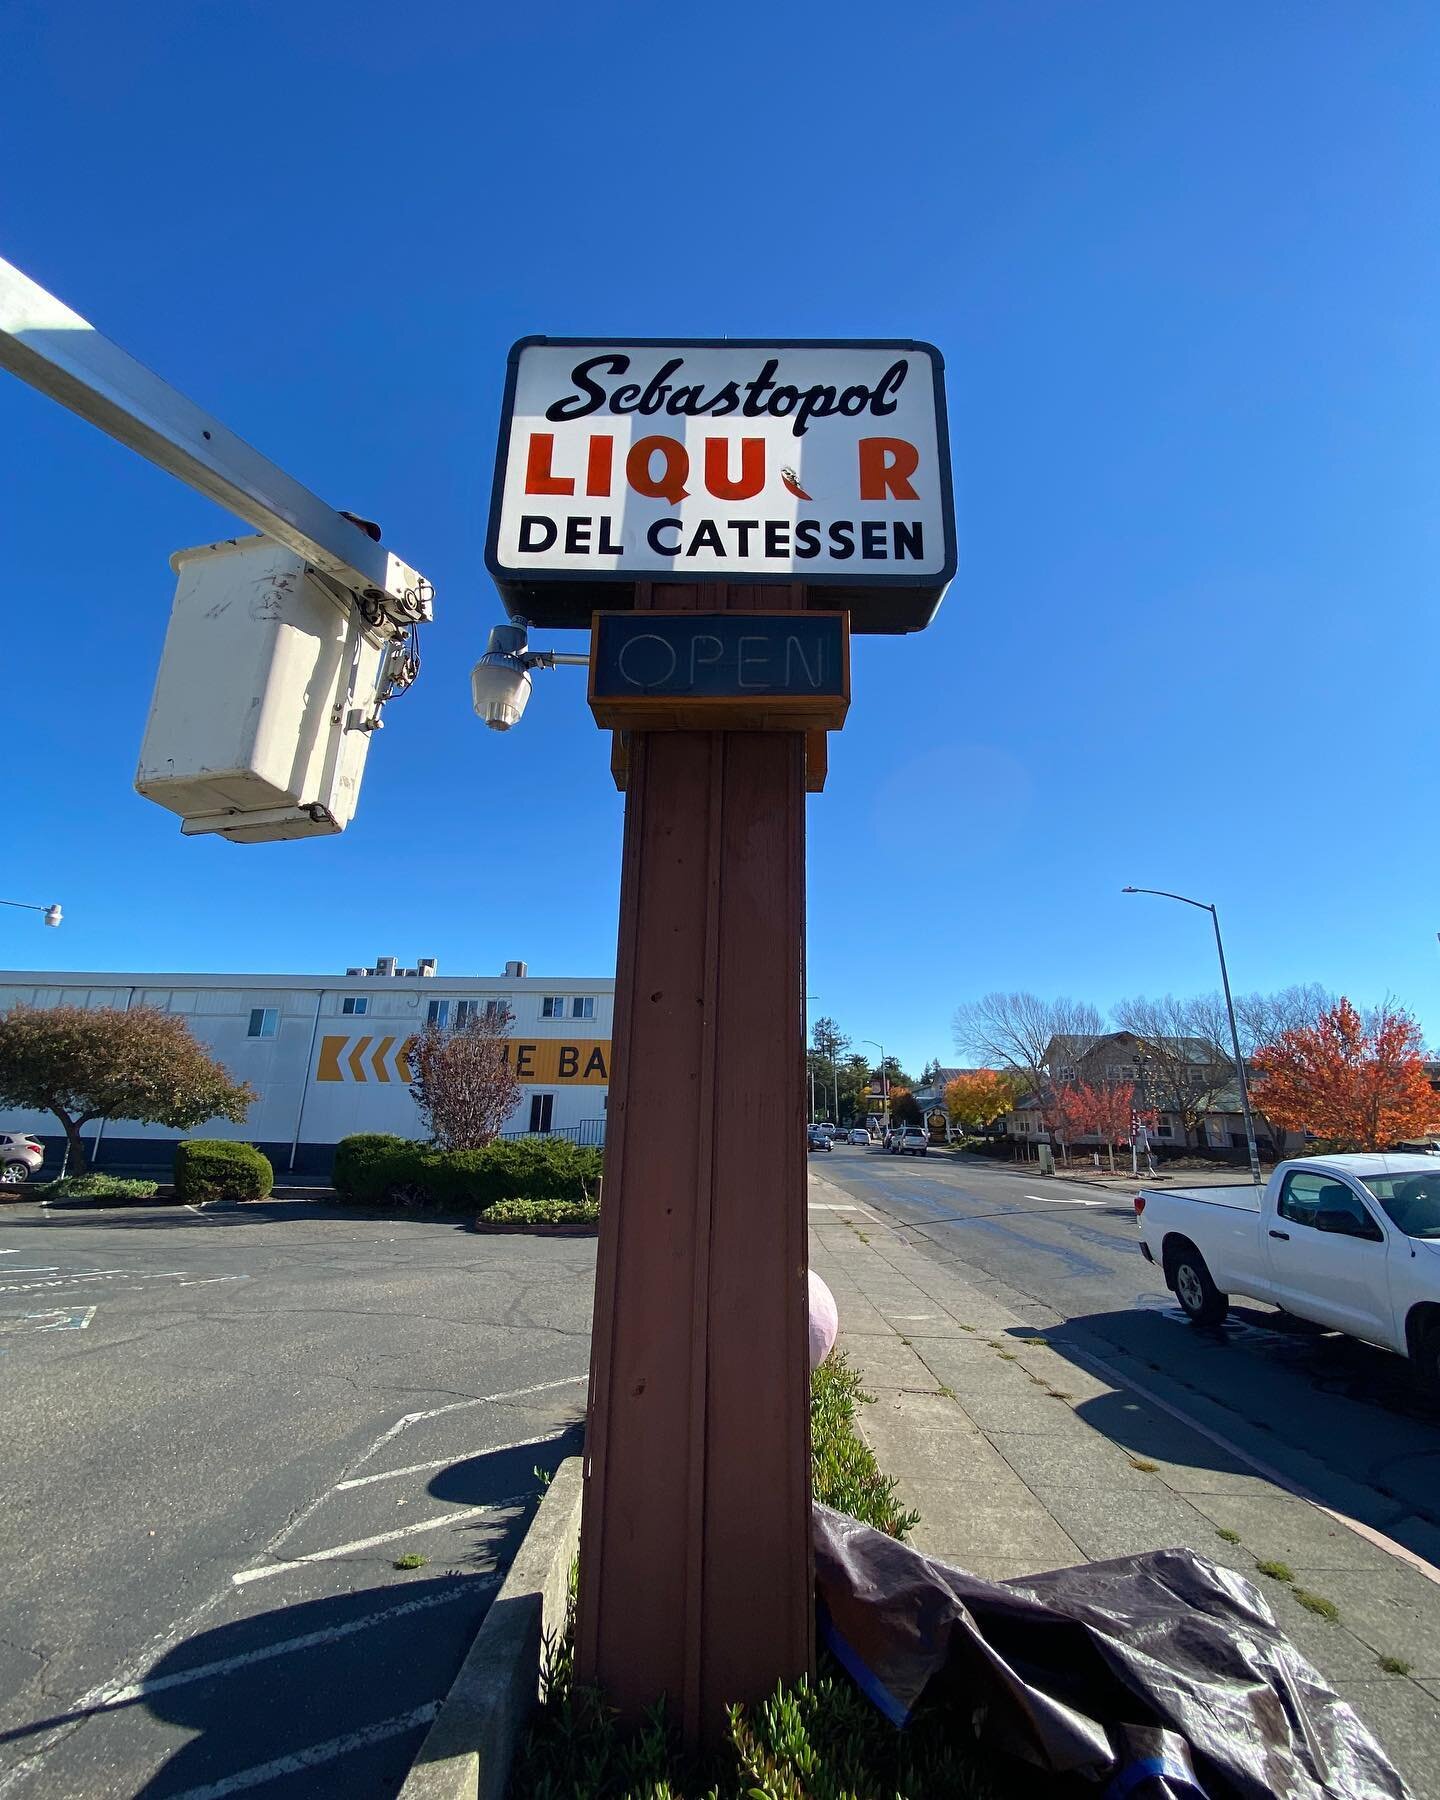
(372, 1169)
(542, 1212)
(99, 1187)
(365, 1165)
(215, 1169)
(843, 1470)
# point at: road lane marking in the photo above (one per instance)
(157, 1684)
(311, 1758)
(460, 1517)
(1063, 1200)
(55, 1318)
(827, 1206)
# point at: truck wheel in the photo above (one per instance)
(1425, 1364)
(1196, 1292)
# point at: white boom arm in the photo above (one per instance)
(55, 350)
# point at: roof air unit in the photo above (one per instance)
(516, 970)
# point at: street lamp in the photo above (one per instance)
(53, 914)
(884, 1078)
(1163, 894)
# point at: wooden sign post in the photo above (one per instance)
(745, 505)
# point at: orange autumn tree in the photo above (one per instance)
(1102, 1111)
(979, 1097)
(1358, 1083)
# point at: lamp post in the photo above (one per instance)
(1201, 905)
(884, 1078)
(53, 914)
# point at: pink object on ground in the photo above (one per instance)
(824, 1321)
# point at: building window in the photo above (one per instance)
(497, 1012)
(552, 1006)
(263, 1021)
(465, 1011)
(583, 1006)
(353, 1005)
(438, 1013)
(542, 1106)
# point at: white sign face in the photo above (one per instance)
(815, 462)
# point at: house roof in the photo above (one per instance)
(1194, 1049)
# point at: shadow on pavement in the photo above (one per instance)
(502, 1474)
(337, 1692)
(150, 1215)
(1339, 1419)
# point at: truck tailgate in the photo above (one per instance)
(1239, 1196)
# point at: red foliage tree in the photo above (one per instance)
(1102, 1110)
(1360, 1084)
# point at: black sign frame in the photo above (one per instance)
(562, 599)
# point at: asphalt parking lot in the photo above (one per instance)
(219, 1431)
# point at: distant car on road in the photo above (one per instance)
(860, 1137)
(911, 1140)
(20, 1157)
(817, 1138)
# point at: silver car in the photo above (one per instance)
(20, 1157)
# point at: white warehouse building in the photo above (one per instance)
(328, 1055)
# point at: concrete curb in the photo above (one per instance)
(467, 1752)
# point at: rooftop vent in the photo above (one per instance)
(357, 971)
(385, 965)
(426, 965)
(516, 970)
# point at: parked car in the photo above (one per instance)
(817, 1138)
(892, 1133)
(912, 1140)
(20, 1157)
(859, 1136)
(1350, 1242)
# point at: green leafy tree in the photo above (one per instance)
(85, 1063)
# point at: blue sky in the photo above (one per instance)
(1181, 261)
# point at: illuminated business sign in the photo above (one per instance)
(709, 671)
(690, 460)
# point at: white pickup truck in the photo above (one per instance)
(1352, 1242)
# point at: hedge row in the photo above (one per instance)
(375, 1169)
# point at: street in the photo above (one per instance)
(219, 1431)
(1323, 1413)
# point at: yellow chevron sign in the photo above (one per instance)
(543, 1062)
(370, 1053)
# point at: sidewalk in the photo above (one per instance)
(1020, 1460)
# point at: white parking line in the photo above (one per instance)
(381, 1537)
(157, 1684)
(315, 1755)
(439, 1462)
(1063, 1200)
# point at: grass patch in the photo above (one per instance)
(1144, 1464)
(93, 1187)
(844, 1473)
(948, 1392)
(542, 1212)
(822, 1741)
(1224, 1532)
(413, 1561)
(814, 1741)
(1008, 1356)
(1277, 1571)
(1317, 1603)
(1394, 1665)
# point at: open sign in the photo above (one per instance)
(815, 462)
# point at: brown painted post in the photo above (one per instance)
(695, 1562)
